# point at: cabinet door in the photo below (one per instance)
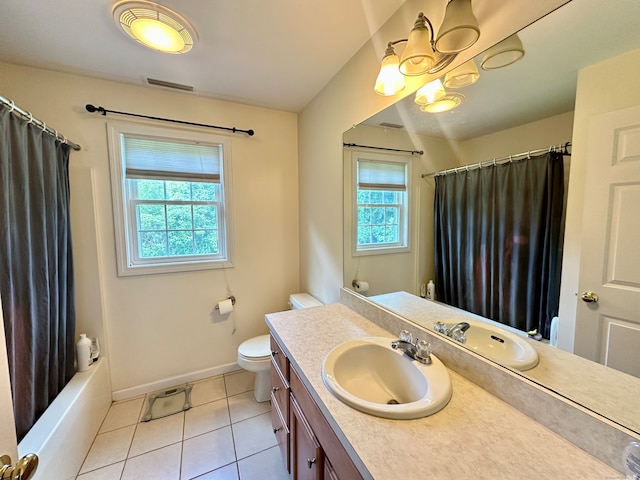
(307, 454)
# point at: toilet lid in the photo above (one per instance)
(255, 347)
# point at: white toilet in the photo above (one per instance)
(254, 354)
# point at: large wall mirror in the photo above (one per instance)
(526, 106)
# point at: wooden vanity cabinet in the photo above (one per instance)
(312, 451)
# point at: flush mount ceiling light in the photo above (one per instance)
(424, 53)
(448, 102)
(155, 26)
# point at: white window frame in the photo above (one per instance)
(128, 261)
(403, 244)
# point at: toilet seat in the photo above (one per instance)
(256, 348)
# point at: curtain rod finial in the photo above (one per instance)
(90, 108)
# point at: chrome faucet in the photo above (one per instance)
(457, 332)
(419, 350)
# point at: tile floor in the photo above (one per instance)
(226, 435)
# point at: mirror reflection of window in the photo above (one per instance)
(381, 203)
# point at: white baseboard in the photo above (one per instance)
(139, 390)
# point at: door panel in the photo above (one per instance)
(608, 330)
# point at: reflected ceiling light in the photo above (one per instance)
(504, 53)
(390, 81)
(449, 102)
(430, 93)
(459, 29)
(155, 26)
(462, 76)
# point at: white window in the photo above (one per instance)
(381, 204)
(171, 199)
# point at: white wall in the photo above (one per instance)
(160, 326)
(554, 130)
(604, 87)
(349, 99)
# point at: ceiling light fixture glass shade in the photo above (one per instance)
(390, 81)
(508, 51)
(449, 102)
(459, 29)
(155, 26)
(462, 76)
(431, 92)
(418, 56)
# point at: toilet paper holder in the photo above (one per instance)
(233, 301)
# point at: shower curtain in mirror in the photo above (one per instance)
(36, 271)
(498, 240)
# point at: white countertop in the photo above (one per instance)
(476, 436)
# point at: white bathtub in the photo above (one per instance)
(63, 435)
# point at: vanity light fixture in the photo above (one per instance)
(155, 26)
(390, 81)
(504, 53)
(462, 76)
(426, 53)
(459, 29)
(419, 55)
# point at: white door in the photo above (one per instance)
(608, 330)
(8, 442)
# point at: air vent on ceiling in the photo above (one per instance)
(176, 86)
(391, 125)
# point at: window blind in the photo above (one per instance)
(171, 160)
(374, 175)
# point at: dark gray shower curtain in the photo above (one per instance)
(36, 268)
(498, 240)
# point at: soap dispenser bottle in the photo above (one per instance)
(83, 352)
(431, 290)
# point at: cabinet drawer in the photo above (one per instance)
(281, 431)
(280, 359)
(343, 466)
(280, 392)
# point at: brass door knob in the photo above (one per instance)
(589, 297)
(22, 470)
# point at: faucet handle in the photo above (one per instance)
(423, 351)
(440, 327)
(405, 336)
(459, 336)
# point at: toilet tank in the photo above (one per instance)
(302, 300)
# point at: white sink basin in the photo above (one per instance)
(504, 347)
(370, 376)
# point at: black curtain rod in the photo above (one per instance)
(104, 111)
(412, 152)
